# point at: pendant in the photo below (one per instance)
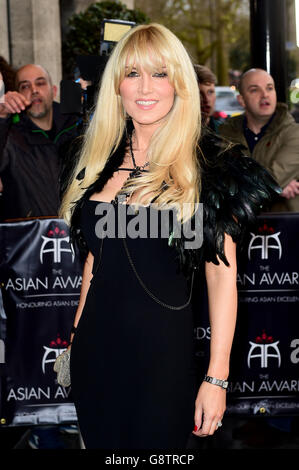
(136, 172)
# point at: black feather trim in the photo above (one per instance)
(234, 190)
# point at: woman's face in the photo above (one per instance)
(146, 97)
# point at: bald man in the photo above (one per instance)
(36, 140)
(269, 134)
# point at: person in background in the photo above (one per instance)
(35, 137)
(8, 74)
(7, 83)
(268, 133)
(206, 82)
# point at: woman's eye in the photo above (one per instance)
(160, 75)
(132, 74)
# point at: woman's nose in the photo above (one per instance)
(145, 83)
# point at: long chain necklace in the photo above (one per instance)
(135, 173)
(137, 169)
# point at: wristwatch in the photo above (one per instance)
(214, 381)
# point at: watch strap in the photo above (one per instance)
(212, 380)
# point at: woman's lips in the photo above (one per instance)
(146, 104)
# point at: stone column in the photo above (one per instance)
(21, 32)
(47, 37)
(129, 4)
(4, 39)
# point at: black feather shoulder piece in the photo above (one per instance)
(235, 188)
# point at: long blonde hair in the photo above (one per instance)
(172, 150)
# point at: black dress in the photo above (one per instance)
(134, 379)
(133, 369)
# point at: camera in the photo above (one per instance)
(77, 96)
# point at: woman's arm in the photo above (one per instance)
(222, 295)
(86, 278)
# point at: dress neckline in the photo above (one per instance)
(94, 200)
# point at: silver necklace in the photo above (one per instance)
(137, 169)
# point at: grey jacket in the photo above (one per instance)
(277, 150)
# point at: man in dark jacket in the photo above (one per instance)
(269, 134)
(34, 144)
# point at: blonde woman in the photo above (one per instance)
(134, 378)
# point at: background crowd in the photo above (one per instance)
(37, 138)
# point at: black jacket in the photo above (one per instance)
(31, 161)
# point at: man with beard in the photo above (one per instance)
(269, 134)
(34, 143)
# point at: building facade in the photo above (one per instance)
(32, 31)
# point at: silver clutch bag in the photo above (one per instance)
(62, 367)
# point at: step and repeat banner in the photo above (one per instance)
(265, 361)
(40, 278)
(264, 372)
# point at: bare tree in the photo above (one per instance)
(208, 28)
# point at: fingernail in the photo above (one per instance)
(195, 428)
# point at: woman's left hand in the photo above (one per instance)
(210, 406)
